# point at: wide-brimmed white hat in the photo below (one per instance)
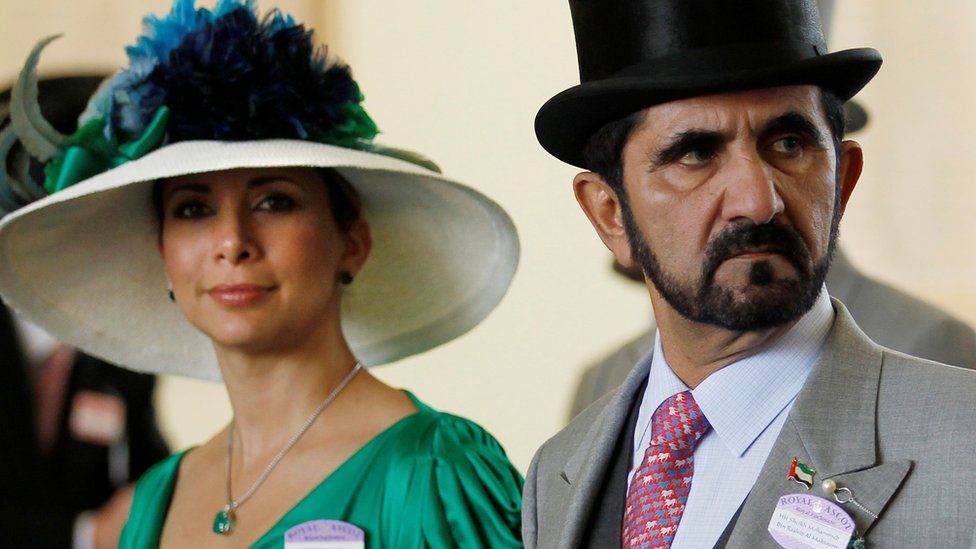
(82, 261)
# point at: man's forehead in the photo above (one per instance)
(722, 110)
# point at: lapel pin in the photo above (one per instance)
(801, 474)
(843, 495)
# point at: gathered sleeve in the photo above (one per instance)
(458, 490)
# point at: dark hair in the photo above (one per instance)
(343, 199)
(344, 202)
(604, 151)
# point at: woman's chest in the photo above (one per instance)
(198, 514)
(327, 514)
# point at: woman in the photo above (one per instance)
(223, 213)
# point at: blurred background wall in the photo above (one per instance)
(461, 81)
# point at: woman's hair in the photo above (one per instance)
(344, 202)
(343, 199)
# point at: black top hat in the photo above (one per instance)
(638, 53)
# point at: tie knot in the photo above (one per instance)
(678, 422)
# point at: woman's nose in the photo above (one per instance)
(235, 242)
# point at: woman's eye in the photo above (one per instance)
(276, 203)
(789, 145)
(191, 210)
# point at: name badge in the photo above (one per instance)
(802, 521)
(325, 534)
(97, 418)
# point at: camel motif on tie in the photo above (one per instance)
(659, 490)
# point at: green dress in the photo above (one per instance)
(429, 480)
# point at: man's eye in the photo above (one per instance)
(789, 145)
(191, 210)
(695, 157)
(276, 203)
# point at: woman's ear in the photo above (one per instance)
(359, 244)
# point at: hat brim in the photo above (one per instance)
(84, 264)
(567, 121)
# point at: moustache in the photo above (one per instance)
(746, 238)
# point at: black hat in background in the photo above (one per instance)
(637, 53)
(855, 117)
(62, 99)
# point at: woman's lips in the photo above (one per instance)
(238, 295)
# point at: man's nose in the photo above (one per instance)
(234, 237)
(751, 192)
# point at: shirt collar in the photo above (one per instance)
(764, 383)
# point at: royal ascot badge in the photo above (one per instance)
(802, 521)
(325, 534)
(801, 474)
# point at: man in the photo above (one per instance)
(713, 135)
(76, 431)
(887, 315)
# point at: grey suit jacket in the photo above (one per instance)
(898, 431)
(889, 316)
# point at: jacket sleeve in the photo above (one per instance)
(530, 531)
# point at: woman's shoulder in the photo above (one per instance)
(433, 433)
(462, 489)
(150, 503)
(161, 473)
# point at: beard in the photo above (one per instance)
(770, 303)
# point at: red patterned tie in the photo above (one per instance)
(658, 493)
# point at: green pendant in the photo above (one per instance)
(223, 523)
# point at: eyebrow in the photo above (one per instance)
(686, 141)
(205, 189)
(698, 139)
(794, 122)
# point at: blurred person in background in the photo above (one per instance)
(76, 431)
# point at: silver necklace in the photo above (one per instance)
(224, 520)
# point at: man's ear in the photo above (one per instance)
(602, 207)
(849, 171)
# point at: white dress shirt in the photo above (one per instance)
(746, 403)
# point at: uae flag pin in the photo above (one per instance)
(801, 474)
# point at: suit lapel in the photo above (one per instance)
(586, 468)
(832, 428)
